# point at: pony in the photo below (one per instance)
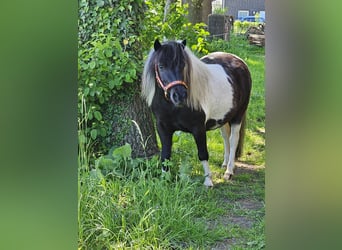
(196, 95)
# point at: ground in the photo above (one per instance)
(247, 213)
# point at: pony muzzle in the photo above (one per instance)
(170, 85)
(178, 95)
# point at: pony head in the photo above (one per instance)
(170, 63)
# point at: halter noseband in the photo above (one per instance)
(169, 85)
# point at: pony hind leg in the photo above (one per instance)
(225, 132)
(233, 141)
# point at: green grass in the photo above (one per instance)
(147, 212)
(138, 208)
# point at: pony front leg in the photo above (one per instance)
(207, 174)
(165, 136)
(201, 142)
(233, 141)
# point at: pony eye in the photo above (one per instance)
(160, 66)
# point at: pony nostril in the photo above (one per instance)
(183, 95)
(175, 97)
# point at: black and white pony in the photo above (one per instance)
(195, 95)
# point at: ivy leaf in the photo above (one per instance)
(93, 134)
(124, 152)
(85, 66)
(133, 72)
(86, 91)
(128, 78)
(111, 84)
(116, 82)
(103, 132)
(108, 52)
(92, 64)
(90, 115)
(100, 3)
(98, 115)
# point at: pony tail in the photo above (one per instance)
(239, 148)
(148, 80)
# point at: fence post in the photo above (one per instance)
(216, 25)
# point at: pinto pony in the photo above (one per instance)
(195, 95)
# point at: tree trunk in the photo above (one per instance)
(199, 10)
(132, 123)
(206, 10)
(195, 11)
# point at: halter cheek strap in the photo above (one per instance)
(169, 85)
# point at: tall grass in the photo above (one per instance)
(127, 203)
(143, 212)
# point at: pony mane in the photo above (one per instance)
(198, 81)
(148, 80)
(196, 75)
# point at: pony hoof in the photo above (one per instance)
(208, 182)
(228, 176)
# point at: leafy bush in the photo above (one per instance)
(242, 27)
(176, 26)
(220, 11)
(107, 58)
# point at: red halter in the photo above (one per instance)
(169, 85)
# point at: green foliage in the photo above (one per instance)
(107, 57)
(176, 27)
(119, 164)
(220, 11)
(257, 16)
(236, 45)
(116, 163)
(242, 27)
(143, 212)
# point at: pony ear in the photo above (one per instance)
(184, 42)
(157, 44)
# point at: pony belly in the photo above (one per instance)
(212, 124)
(218, 110)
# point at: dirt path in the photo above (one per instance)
(244, 216)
